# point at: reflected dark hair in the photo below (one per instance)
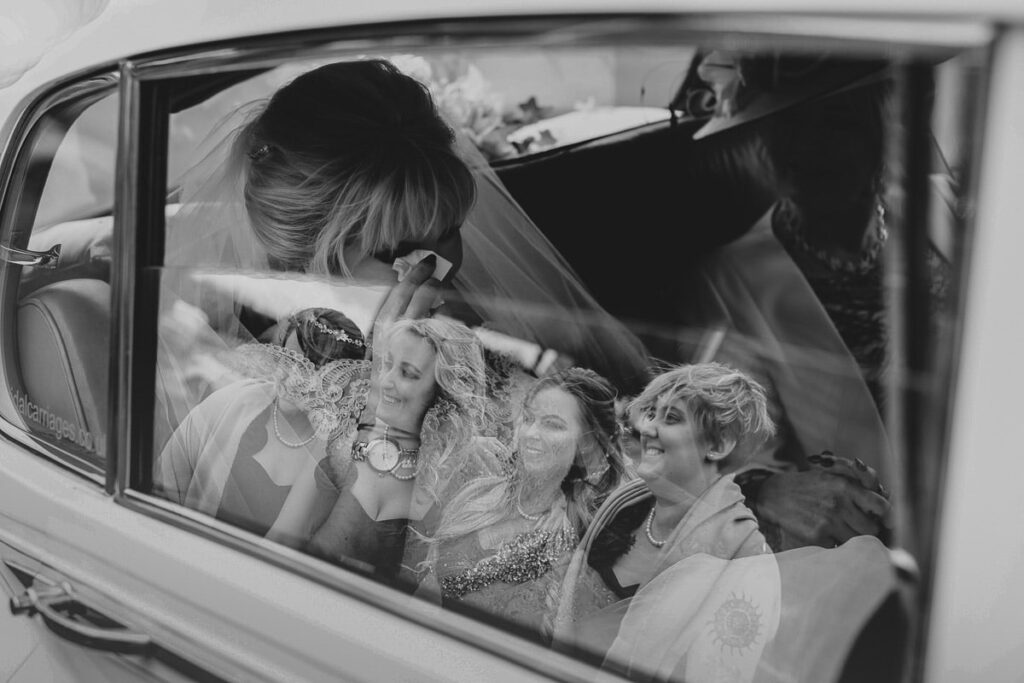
(831, 147)
(350, 157)
(325, 335)
(586, 485)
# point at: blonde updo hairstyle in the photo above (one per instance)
(347, 161)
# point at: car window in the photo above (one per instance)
(57, 257)
(665, 385)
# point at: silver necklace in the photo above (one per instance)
(277, 431)
(647, 529)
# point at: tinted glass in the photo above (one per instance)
(669, 401)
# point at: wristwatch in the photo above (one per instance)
(383, 454)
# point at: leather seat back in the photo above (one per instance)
(64, 354)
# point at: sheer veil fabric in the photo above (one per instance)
(512, 277)
(216, 279)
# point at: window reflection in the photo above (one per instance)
(701, 486)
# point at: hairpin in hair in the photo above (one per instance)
(259, 152)
(339, 335)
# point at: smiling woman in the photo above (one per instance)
(673, 579)
(693, 421)
(376, 481)
(407, 384)
(503, 541)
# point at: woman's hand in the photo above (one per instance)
(823, 506)
(413, 297)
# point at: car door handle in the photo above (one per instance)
(26, 257)
(49, 600)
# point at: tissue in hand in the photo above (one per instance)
(403, 264)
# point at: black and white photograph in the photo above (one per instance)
(547, 340)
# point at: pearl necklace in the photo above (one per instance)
(277, 432)
(523, 513)
(647, 529)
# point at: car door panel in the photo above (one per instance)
(31, 652)
(227, 613)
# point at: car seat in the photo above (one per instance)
(64, 356)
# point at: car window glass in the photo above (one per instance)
(662, 348)
(59, 307)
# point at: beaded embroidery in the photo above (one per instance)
(336, 334)
(527, 557)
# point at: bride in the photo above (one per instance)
(345, 177)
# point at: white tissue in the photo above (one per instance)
(404, 264)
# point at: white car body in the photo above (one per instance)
(239, 616)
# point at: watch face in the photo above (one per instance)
(382, 454)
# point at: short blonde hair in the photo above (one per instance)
(724, 402)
